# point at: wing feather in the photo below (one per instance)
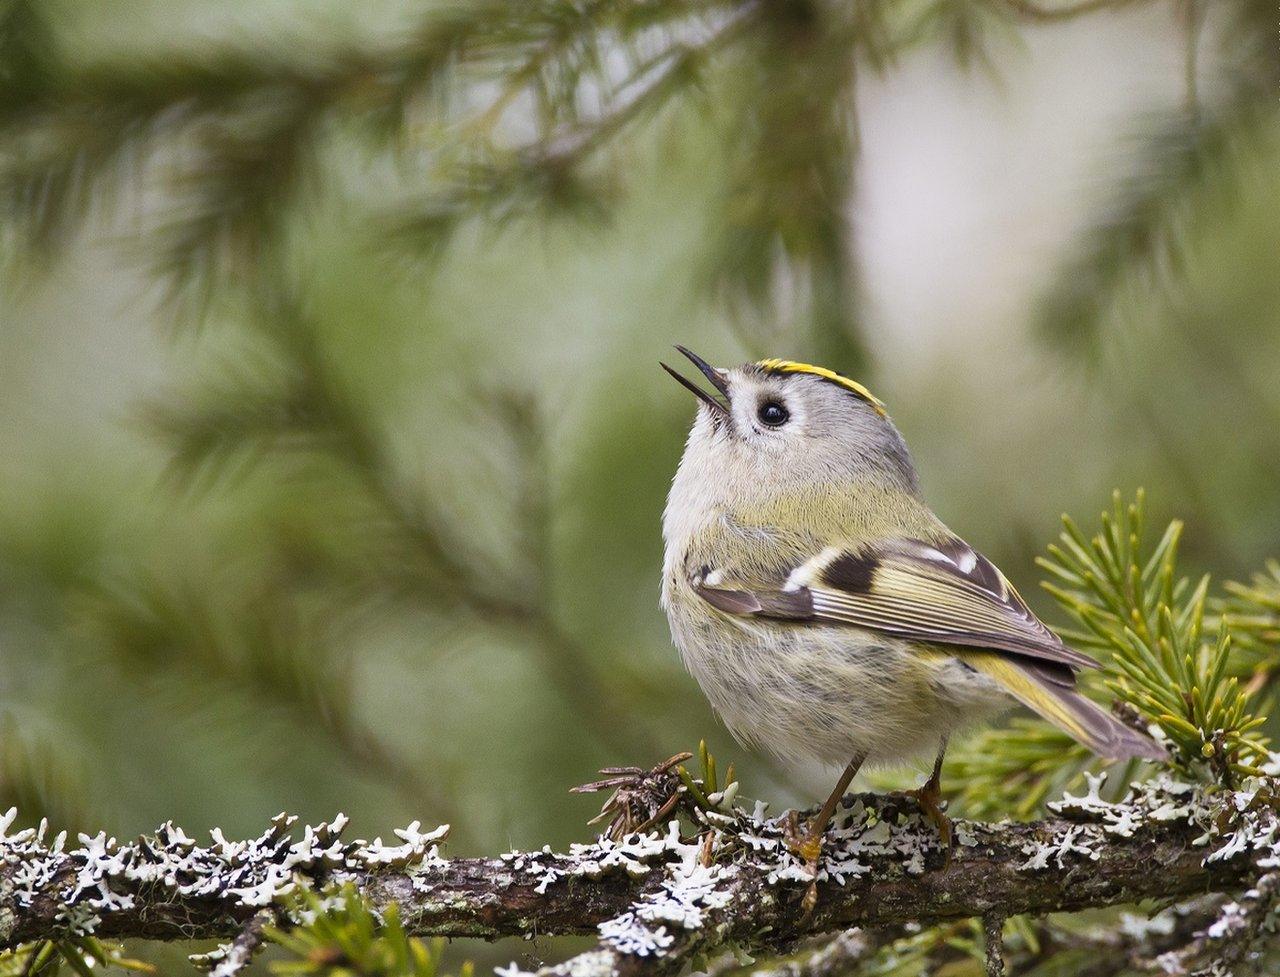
(948, 595)
(940, 593)
(944, 593)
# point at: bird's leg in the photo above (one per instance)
(808, 845)
(929, 797)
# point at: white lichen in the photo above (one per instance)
(687, 885)
(1231, 919)
(689, 890)
(595, 963)
(1143, 927)
(103, 875)
(1078, 839)
(626, 934)
(1160, 799)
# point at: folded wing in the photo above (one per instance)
(943, 594)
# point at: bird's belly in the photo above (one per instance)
(828, 693)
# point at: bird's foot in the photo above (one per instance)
(806, 845)
(929, 797)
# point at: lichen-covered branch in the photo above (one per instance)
(656, 900)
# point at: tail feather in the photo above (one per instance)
(1053, 696)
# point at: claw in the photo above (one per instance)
(810, 901)
(807, 846)
(929, 797)
(810, 849)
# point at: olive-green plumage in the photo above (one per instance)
(823, 608)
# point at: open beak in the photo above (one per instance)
(717, 378)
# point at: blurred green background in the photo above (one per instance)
(311, 502)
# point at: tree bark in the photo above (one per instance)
(656, 900)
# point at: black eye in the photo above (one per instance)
(773, 413)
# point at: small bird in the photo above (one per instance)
(824, 609)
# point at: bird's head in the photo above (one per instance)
(782, 423)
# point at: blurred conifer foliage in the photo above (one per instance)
(496, 111)
(493, 115)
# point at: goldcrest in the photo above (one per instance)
(823, 608)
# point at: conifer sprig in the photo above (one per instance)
(1148, 624)
(1251, 612)
(80, 954)
(1012, 771)
(1193, 666)
(341, 936)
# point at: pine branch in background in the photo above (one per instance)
(1251, 613)
(970, 31)
(1049, 11)
(1248, 40)
(79, 954)
(291, 404)
(1185, 167)
(784, 245)
(341, 936)
(1140, 238)
(955, 948)
(665, 55)
(1148, 623)
(228, 139)
(222, 425)
(87, 134)
(232, 140)
(258, 640)
(26, 44)
(224, 221)
(37, 780)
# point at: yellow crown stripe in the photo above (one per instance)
(791, 366)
